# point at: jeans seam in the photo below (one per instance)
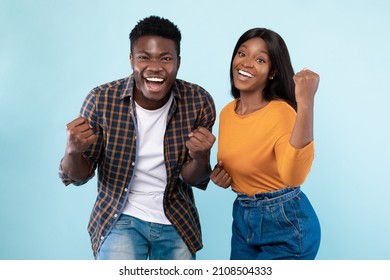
(297, 231)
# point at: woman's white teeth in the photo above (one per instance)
(155, 79)
(245, 73)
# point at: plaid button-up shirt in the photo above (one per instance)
(110, 111)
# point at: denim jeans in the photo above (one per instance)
(275, 225)
(135, 239)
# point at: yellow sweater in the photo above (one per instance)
(255, 149)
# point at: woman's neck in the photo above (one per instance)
(247, 104)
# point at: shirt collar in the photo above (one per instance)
(128, 90)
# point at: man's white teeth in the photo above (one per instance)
(245, 73)
(155, 79)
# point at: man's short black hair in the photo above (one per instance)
(156, 26)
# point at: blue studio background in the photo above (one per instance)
(53, 52)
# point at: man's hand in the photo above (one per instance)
(200, 142)
(80, 136)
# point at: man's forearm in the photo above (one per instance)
(76, 167)
(196, 171)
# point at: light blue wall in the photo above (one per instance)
(53, 52)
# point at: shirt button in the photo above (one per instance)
(102, 237)
(115, 215)
(133, 163)
(125, 189)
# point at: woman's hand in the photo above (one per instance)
(306, 85)
(220, 177)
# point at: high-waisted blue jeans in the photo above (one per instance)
(279, 225)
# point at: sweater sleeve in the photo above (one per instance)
(293, 164)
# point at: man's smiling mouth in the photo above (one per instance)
(154, 79)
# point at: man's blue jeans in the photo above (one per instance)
(134, 239)
(274, 225)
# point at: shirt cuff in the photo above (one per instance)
(66, 180)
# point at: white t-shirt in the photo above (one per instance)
(145, 200)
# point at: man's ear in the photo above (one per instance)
(178, 62)
(131, 60)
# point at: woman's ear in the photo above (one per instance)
(272, 74)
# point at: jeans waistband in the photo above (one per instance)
(269, 198)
